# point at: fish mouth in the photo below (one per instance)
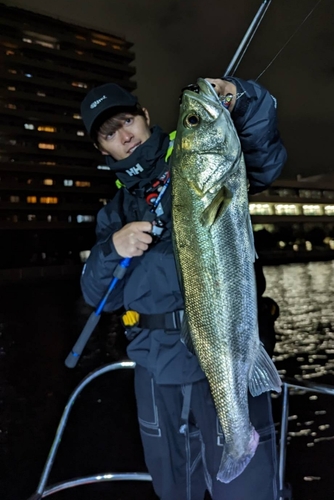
(204, 89)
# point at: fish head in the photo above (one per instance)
(207, 146)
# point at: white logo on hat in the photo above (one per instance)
(97, 102)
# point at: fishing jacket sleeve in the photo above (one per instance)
(98, 270)
(255, 119)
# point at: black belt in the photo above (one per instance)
(170, 322)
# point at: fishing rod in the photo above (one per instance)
(248, 37)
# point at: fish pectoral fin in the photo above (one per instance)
(217, 207)
(264, 376)
(186, 336)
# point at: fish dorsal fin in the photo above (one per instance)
(217, 207)
(185, 335)
(264, 376)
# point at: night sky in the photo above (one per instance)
(176, 41)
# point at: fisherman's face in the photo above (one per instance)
(130, 133)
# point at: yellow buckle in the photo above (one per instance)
(130, 318)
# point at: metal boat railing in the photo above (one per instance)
(289, 383)
(42, 491)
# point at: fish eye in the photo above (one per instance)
(191, 120)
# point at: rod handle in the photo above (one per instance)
(74, 356)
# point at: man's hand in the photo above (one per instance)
(133, 239)
(222, 88)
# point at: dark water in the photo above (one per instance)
(40, 323)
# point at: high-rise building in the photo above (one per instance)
(52, 180)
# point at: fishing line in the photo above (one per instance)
(289, 40)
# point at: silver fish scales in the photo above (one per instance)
(214, 250)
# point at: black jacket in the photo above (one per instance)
(151, 284)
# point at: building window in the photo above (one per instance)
(80, 85)
(287, 209)
(14, 199)
(10, 106)
(49, 200)
(82, 184)
(329, 209)
(48, 182)
(11, 88)
(43, 145)
(103, 167)
(49, 218)
(68, 182)
(31, 199)
(312, 210)
(80, 133)
(85, 218)
(103, 200)
(309, 193)
(31, 217)
(46, 128)
(76, 116)
(29, 126)
(260, 209)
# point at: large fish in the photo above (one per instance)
(214, 250)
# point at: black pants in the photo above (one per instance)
(183, 454)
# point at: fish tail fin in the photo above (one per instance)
(264, 376)
(231, 466)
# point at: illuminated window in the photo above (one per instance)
(82, 184)
(43, 145)
(79, 52)
(68, 182)
(80, 84)
(48, 182)
(309, 193)
(41, 94)
(11, 88)
(99, 42)
(28, 75)
(29, 181)
(10, 52)
(49, 218)
(49, 200)
(287, 209)
(329, 209)
(32, 199)
(13, 71)
(29, 126)
(116, 47)
(14, 199)
(27, 40)
(85, 218)
(76, 116)
(312, 210)
(10, 106)
(328, 194)
(31, 217)
(260, 209)
(47, 162)
(81, 133)
(80, 37)
(103, 167)
(46, 129)
(103, 200)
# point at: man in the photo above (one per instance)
(181, 435)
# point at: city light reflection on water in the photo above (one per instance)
(305, 350)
